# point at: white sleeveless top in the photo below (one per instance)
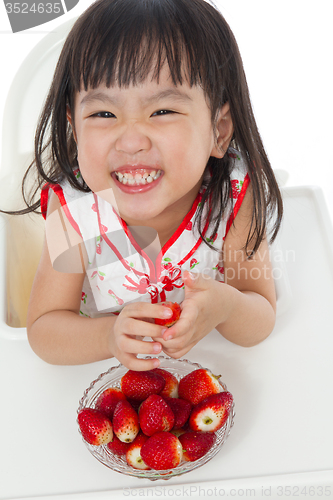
(119, 271)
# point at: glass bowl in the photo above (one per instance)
(179, 368)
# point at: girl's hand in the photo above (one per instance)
(135, 322)
(200, 314)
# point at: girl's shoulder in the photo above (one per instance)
(65, 192)
(77, 206)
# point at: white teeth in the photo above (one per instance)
(138, 178)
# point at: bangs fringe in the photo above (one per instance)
(126, 50)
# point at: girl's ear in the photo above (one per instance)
(224, 130)
(70, 119)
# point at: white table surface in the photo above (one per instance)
(282, 437)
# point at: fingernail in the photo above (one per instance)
(163, 331)
(169, 337)
(156, 347)
(156, 363)
(167, 313)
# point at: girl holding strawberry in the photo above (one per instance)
(155, 187)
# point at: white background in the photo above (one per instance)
(287, 49)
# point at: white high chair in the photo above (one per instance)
(21, 236)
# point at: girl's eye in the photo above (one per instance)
(104, 114)
(162, 112)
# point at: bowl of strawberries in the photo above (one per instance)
(159, 423)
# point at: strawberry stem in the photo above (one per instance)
(208, 421)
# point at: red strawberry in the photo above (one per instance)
(171, 383)
(95, 427)
(181, 410)
(139, 385)
(211, 413)
(155, 415)
(197, 385)
(118, 447)
(162, 451)
(107, 401)
(175, 308)
(133, 455)
(196, 444)
(125, 422)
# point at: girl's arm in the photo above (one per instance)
(242, 309)
(252, 299)
(55, 330)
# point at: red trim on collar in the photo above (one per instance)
(44, 198)
(179, 231)
(238, 203)
(138, 248)
(155, 272)
(181, 227)
(60, 194)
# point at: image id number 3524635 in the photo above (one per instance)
(40, 8)
(303, 491)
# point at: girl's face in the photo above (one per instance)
(148, 143)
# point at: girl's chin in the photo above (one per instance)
(144, 213)
(134, 217)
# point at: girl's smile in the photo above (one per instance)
(138, 179)
(150, 143)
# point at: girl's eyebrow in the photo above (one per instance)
(104, 97)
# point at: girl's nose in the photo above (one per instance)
(132, 140)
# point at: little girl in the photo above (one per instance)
(155, 187)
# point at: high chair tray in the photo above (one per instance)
(281, 441)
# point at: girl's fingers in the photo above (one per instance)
(185, 323)
(133, 363)
(135, 326)
(143, 310)
(182, 327)
(134, 346)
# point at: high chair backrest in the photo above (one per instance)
(23, 105)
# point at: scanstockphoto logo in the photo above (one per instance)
(27, 14)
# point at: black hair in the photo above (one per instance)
(120, 42)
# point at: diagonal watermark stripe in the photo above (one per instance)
(27, 14)
(64, 243)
